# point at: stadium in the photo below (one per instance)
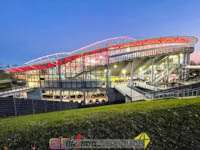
(109, 70)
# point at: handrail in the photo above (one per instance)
(171, 94)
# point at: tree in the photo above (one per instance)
(1, 67)
(192, 62)
(8, 66)
(14, 65)
(198, 63)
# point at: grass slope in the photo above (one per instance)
(4, 76)
(171, 124)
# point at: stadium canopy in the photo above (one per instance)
(110, 44)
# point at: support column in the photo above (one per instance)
(187, 58)
(184, 58)
(187, 63)
(108, 75)
(53, 94)
(59, 82)
(132, 72)
(167, 70)
(108, 78)
(59, 77)
(61, 97)
(152, 71)
(39, 77)
(83, 70)
(84, 97)
(179, 67)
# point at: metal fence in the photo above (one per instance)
(16, 107)
(180, 93)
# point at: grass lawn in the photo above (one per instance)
(157, 118)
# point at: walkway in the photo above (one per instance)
(11, 91)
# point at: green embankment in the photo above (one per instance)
(4, 76)
(171, 124)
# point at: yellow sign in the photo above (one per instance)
(145, 137)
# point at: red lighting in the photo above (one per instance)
(95, 52)
(85, 54)
(75, 56)
(50, 65)
(152, 41)
(11, 70)
(67, 60)
(44, 67)
(58, 63)
(104, 50)
(38, 67)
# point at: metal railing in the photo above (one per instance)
(182, 93)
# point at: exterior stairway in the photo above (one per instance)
(163, 74)
(130, 94)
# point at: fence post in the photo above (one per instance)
(60, 105)
(45, 109)
(33, 106)
(15, 106)
(54, 106)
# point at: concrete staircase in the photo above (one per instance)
(129, 94)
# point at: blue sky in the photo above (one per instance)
(34, 28)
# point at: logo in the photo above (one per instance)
(141, 141)
(145, 137)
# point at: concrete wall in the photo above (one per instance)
(114, 96)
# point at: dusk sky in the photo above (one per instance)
(34, 28)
